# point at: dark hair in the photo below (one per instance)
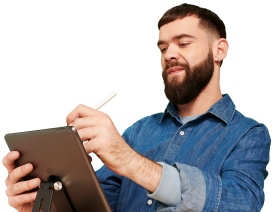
(208, 20)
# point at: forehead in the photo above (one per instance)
(187, 25)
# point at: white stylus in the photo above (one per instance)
(104, 101)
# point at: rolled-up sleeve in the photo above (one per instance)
(182, 187)
(238, 187)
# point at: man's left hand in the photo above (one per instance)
(104, 139)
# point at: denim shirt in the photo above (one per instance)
(221, 159)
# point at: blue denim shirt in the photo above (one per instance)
(222, 155)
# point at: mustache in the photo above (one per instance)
(174, 63)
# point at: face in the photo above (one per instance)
(187, 59)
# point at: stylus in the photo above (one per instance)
(104, 101)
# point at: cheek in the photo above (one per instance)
(162, 63)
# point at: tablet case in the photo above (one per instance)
(59, 152)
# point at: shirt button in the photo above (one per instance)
(149, 202)
(181, 133)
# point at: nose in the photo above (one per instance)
(171, 54)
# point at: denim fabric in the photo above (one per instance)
(230, 150)
(169, 189)
(186, 191)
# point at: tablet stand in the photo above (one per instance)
(46, 191)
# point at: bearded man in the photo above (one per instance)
(199, 155)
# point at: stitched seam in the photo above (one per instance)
(219, 194)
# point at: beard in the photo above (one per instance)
(195, 80)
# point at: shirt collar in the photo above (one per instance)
(223, 109)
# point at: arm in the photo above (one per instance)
(144, 172)
(244, 172)
(239, 187)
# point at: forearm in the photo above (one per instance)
(144, 172)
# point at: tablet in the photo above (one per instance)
(60, 152)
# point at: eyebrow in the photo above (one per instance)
(177, 37)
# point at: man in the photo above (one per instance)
(199, 155)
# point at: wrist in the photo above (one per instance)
(132, 168)
(143, 171)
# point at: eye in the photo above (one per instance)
(181, 44)
(184, 44)
(163, 50)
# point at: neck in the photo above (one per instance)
(207, 97)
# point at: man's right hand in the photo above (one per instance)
(17, 191)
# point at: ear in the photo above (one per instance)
(220, 50)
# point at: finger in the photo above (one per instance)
(84, 122)
(9, 160)
(18, 173)
(88, 133)
(89, 121)
(22, 187)
(90, 146)
(79, 112)
(19, 200)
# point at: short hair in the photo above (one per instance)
(209, 21)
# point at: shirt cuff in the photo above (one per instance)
(169, 190)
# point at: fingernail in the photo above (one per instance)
(71, 124)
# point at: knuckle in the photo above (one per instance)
(4, 161)
(13, 201)
(17, 200)
(7, 191)
(105, 115)
(21, 199)
(106, 120)
(75, 121)
(17, 188)
(10, 202)
(13, 174)
(20, 171)
(109, 122)
(80, 106)
(7, 181)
